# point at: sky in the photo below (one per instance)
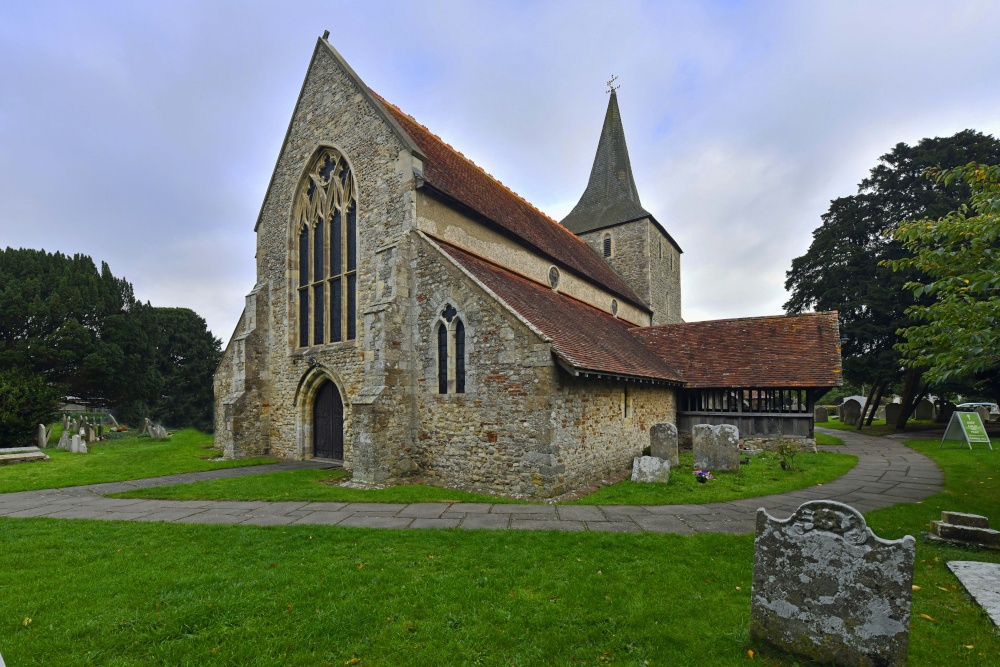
(144, 133)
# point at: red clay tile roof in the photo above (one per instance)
(458, 177)
(791, 351)
(584, 337)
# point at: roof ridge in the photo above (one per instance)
(740, 319)
(490, 176)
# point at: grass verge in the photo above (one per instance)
(119, 460)
(117, 593)
(878, 426)
(824, 439)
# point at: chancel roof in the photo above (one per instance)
(790, 351)
(589, 340)
(451, 173)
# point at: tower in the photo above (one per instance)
(610, 218)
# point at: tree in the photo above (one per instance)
(25, 402)
(187, 356)
(958, 258)
(845, 270)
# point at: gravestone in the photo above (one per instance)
(147, 427)
(880, 412)
(716, 448)
(821, 414)
(663, 442)
(65, 421)
(650, 469)
(924, 411)
(984, 414)
(825, 587)
(63, 441)
(77, 445)
(892, 412)
(43, 436)
(850, 412)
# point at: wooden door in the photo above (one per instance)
(328, 424)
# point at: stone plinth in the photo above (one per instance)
(826, 588)
(716, 448)
(663, 442)
(650, 469)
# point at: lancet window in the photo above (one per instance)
(450, 332)
(327, 231)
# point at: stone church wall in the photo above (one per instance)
(331, 111)
(593, 435)
(494, 438)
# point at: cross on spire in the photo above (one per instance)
(611, 84)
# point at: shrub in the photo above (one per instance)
(25, 402)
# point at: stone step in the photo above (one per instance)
(963, 519)
(22, 457)
(966, 534)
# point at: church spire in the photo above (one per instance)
(611, 196)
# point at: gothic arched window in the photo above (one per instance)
(450, 352)
(327, 231)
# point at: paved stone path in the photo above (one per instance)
(887, 473)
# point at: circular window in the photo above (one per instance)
(614, 307)
(554, 277)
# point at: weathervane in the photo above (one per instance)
(611, 84)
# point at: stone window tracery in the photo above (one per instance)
(450, 332)
(327, 231)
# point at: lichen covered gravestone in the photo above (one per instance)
(650, 469)
(850, 412)
(663, 442)
(716, 448)
(821, 414)
(826, 588)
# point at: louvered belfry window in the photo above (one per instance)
(327, 223)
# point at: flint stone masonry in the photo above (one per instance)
(850, 412)
(650, 469)
(826, 588)
(821, 414)
(663, 442)
(716, 448)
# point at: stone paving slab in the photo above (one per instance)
(887, 473)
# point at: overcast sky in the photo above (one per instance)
(144, 133)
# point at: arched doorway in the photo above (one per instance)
(328, 423)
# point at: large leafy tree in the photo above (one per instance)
(26, 401)
(958, 259)
(187, 355)
(845, 267)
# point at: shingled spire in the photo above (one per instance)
(611, 197)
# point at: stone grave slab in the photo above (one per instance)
(826, 588)
(716, 448)
(650, 469)
(982, 581)
(663, 442)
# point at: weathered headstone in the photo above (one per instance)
(880, 412)
(850, 412)
(924, 411)
(663, 442)
(716, 448)
(826, 588)
(65, 421)
(650, 469)
(77, 445)
(892, 412)
(984, 414)
(43, 436)
(91, 433)
(63, 441)
(821, 414)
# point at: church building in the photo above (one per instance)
(414, 316)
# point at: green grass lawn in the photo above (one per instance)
(824, 439)
(762, 476)
(307, 485)
(116, 593)
(118, 460)
(878, 426)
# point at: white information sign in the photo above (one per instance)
(967, 426)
